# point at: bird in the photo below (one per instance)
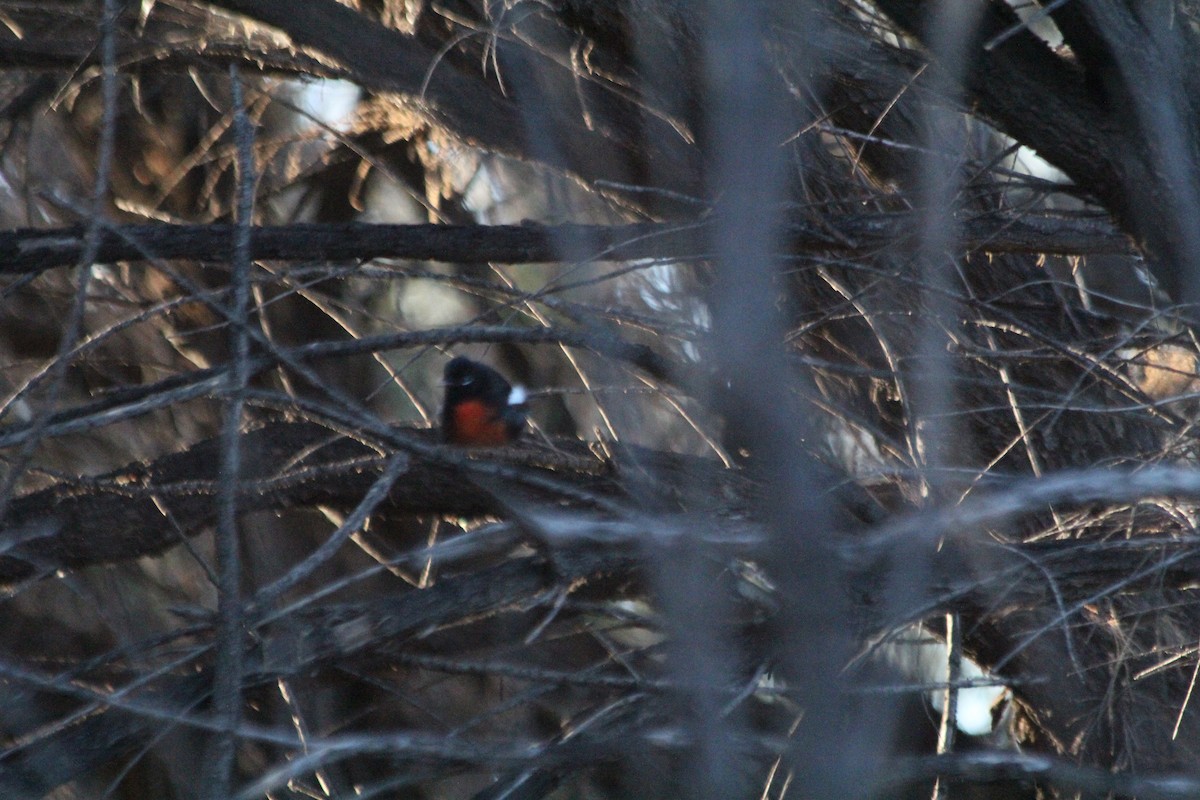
(480, 408)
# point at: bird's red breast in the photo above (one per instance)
(477, 424)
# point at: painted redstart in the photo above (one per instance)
(481, 408)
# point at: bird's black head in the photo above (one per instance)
(464, 378)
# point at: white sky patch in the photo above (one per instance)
(974, 702)
(329, 101)
(430, 305)
(662, 280)
(517, 396)
(925, 660)
(481, 194)
(1040, 23)
(1039, 167)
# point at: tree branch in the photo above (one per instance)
(991, 766)
(28, 251)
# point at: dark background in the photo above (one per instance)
(860, 341)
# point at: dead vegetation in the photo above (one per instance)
(849, 325)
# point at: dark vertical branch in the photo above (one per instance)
(227, 689)
(931, 391)
(742, 133)
(73, 328)
(934, 395)
(745, 125)
(1155, 75)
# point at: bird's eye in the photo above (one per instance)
(467, 380)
